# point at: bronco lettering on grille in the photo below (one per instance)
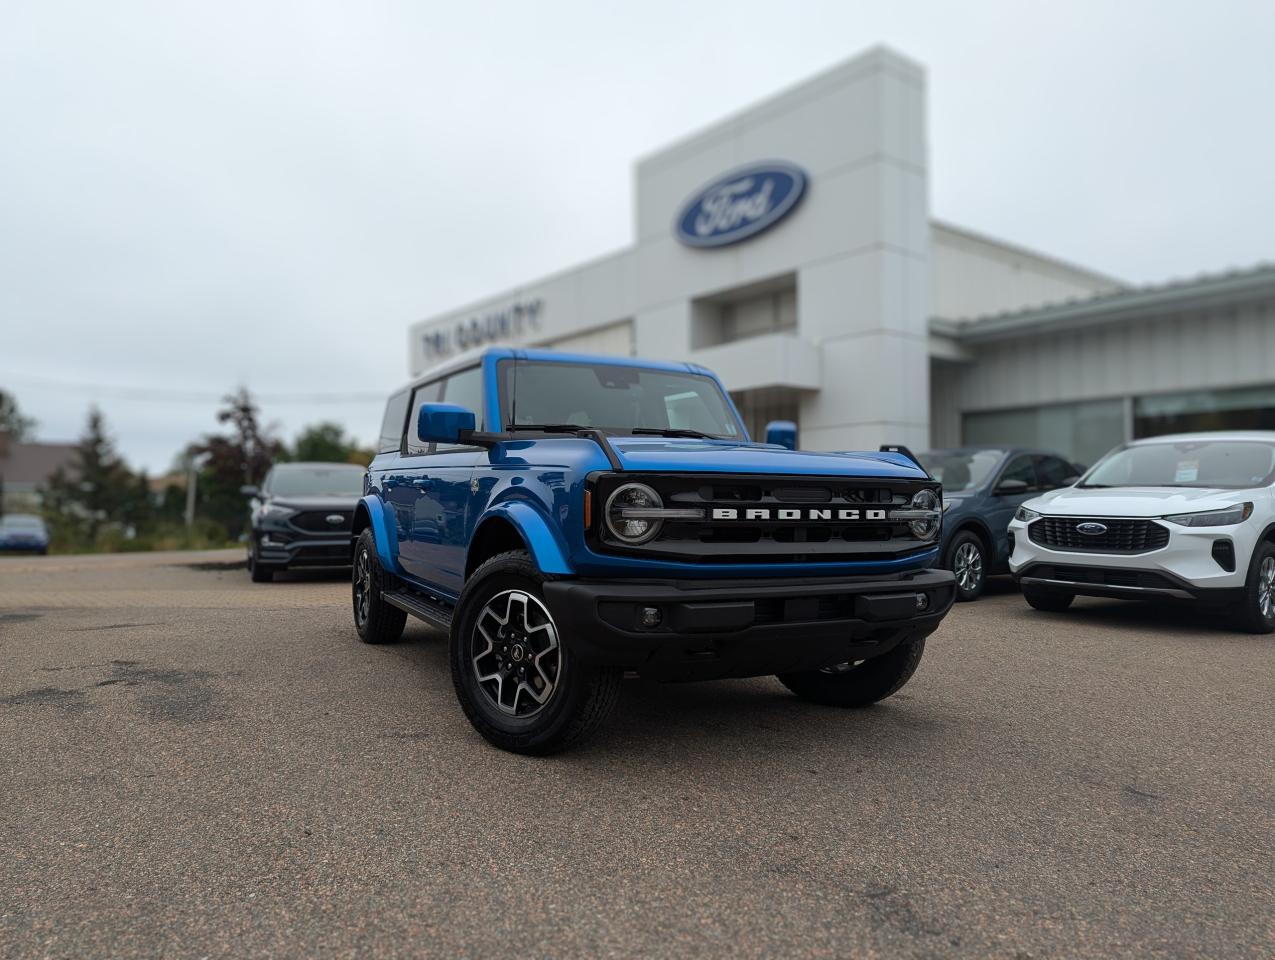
(796, 514)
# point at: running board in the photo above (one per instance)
(426, 608)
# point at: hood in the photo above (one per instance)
(1134, 501)
(316, 503)
(655, 454)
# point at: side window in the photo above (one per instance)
(428, 393)
(466, 389)
(1020, 468)
(392, 425)
(1054, 473)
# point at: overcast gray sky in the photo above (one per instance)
(194, 196)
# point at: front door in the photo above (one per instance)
(1005, 502)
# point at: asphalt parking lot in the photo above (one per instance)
(195, 765)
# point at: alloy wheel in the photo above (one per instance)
(968, 566)
(1266, 587)
(515, 653)
(362, 587)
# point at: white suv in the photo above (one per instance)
(1190, 516)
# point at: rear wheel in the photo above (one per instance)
(967, 560)
(514, 673)
(1256, 613)
(374, 619)
(1051, 601)
(858, 683)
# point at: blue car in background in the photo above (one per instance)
(23, 531)
(982, 487)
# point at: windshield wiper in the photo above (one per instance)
(673, 432)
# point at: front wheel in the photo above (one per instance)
(514, 673)
(859, 683)
(1256, 613)
(258, 571)
(968, 563)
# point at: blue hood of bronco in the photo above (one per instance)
(655, 454)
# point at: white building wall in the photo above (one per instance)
(973, 275)
(1199, 350)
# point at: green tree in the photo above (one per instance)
(98, 489)
(12, 422)
(327, 442)
(231, 460)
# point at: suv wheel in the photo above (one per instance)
(860, 683)
(374, 619)
(513, 672)
(260, 572)
(1051, 601)
(967, 561)
(1257, 611)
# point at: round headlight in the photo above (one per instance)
(928, 527)
(623, 510)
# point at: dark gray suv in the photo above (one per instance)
(302, 515)
(982, 487)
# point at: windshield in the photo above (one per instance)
(21, 521)
(961, 470)
(1229, 464)
(614, 398)
(335, 481)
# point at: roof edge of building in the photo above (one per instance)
(1256, 282)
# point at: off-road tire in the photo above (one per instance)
(861, 684)
(1050, 601)
(958, 551)
(259, 572)
(382, 623)
(582, 696)
(1248, 616)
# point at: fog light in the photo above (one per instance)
(922, 601)
(650, 616)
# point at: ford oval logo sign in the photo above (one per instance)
(1091, 529)
(740, 205)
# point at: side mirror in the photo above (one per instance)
(250, 490)
(783, 433)
(444, 422)
(1006, 487)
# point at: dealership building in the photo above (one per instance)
(790, 248)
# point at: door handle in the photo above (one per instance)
(425, 483)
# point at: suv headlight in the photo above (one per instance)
(632, 513)
(273, 511)
(1023, 515)
(1214, 518)
(925, 528)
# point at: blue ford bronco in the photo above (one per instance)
(567, 518)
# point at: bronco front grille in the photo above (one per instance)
(793, 537)
(1118, 535)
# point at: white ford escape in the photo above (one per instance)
(1189, 516)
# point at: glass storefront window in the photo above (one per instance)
(1081, 431)
(1247, 408)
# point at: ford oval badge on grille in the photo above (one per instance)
(1091, 529)
(335, 518)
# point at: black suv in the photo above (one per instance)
(302, 515)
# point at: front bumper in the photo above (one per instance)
(742, 628)
(1187, 567)
(304, 551)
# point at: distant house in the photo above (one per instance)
(25, 467)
